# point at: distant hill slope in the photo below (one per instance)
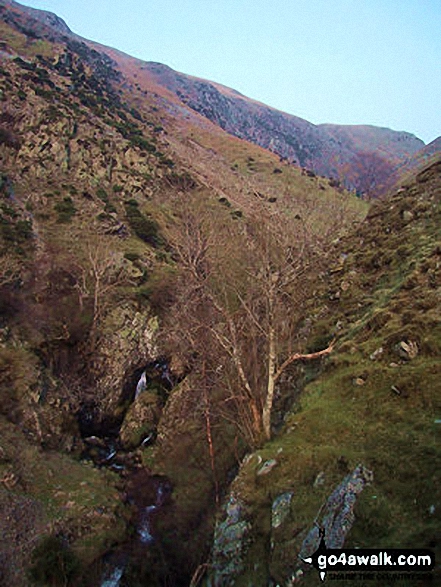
(361, 157)
(411, 165)
(48, 19)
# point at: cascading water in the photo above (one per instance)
(145, 530)
(158, 371)
(142, 384)
(114, 579)
(147, 493)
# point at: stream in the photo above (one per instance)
(145, 492)
(145, 526)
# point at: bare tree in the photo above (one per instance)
(246, 287)
(100, 274)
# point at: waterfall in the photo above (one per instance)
(142, 384)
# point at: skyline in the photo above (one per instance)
(342, 62)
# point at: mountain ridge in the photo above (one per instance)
(361, 157)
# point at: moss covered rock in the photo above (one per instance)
(141, 419)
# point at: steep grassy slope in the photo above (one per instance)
(376, 401)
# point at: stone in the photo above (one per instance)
(280, 509)
(376, 354)
(407, 350)
(359, 381)
(267, 467)
(407, 215)
(337, 517)
(319, 480)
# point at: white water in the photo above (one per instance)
(145, 528)
(145, 525)
(142, 384)
(114, 579)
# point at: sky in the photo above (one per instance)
(335, 61)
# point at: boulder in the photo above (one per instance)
(280, 509)
(141, 420)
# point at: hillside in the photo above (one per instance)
(158, 277)
(375, 402)
(361, 157)
(412, 165)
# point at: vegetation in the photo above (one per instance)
(374, 401)
(65, 209)
(143, 226)
(53, 564)
(130, 237)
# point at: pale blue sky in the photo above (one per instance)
(341, 61)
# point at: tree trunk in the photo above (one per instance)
(267, 408)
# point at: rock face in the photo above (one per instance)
(127, 343)
(337, 517)
(229, 545)
(280, 509)
(45, 21)
(141, 420)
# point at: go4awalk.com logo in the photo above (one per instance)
(370, 560)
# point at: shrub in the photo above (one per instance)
(142, 143)
(65, 209)
(53, 564)
(23, 230)
(225, 201)
(131, 256)
(145, 228)
(10, 139)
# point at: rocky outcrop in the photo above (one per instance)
(141, 420)
(127, 342)
(337, 517)
(230, 542)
